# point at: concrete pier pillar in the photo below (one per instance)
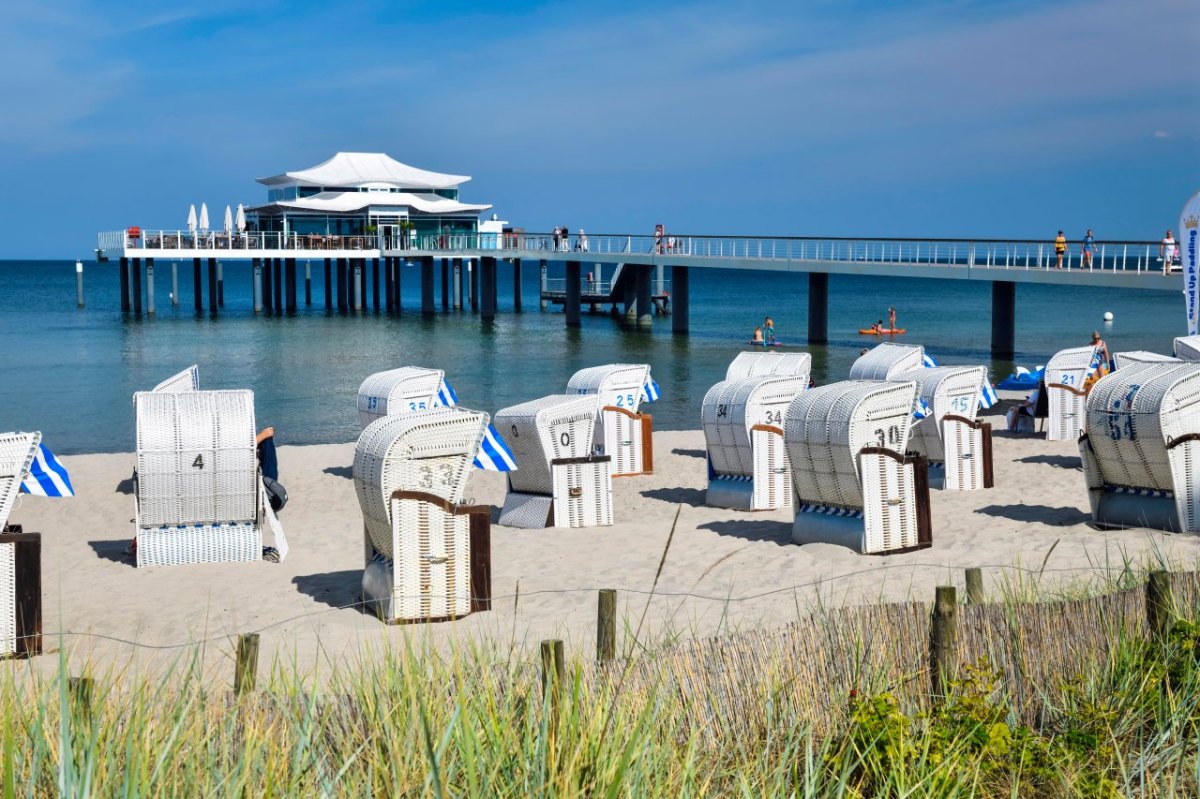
(427, 306)
(220, 284)
(343, 285)
(487, 289)
(818, 308)
(212, 286)
(256, 283)
(149, 286)
(137, 285)
(356, 288)
(659, 285)
(645, 309)
(289, 268)
(308, 282)
(1004, 319)
(175, 283)
(389, 297)
(197, 286)
(125, 304)
(445, 284)
(542, 292)
(361, 271)
(573, 292)
(329, 284)
(277, 285)
(268, 294)
(473, 271)
(398, 266)
(375, 284)
(516, 284)
(679, 299)
(457, 283)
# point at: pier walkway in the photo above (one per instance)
(637, 267)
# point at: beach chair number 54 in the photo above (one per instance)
(889, 436)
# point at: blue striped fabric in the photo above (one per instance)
(446, 396)
(921, 409)
(1097, 362)
(494, 455)
(987, 395)
(831, 511)
(927, 361)
(1137, 492)
(47, 477)
(650, 391)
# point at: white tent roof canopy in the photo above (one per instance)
(351, 201)
(377, 170)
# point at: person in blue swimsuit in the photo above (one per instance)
(1089, 246)
(769, 330)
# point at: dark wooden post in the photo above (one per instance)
(197, 286)
(943, 641)
(246, 670)
(975, 586)
(290, 269)
(679, 299)
(818, 308)
(1004, 319)
(1160, 606)
(27, 577)
(277, 284)
(481, 561)
(487, 289)
(427, 306)
(328, 284)
(571, 305)
(137, 285)
(124, 284)
(212, 285)
(516, 284)
(606, 625)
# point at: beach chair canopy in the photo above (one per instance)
(826, 428)
(403, 390)
(617, 384)
(1187, 348)
(187, 380)
(1124, 359)
(196, 461)
(429, 452)
(887, 360)
(1135, 415)
(17, 451)
(775, 364)
(946, 390)
(732, 408)
(546, 429)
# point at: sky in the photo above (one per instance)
(994, 119)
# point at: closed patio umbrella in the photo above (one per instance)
(191, 223)
(241, 219)
(228, 219)
(204, 216)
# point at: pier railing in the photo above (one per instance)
(155, 240)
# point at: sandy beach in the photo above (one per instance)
(724, 570)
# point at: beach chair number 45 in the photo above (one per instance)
(889, 436)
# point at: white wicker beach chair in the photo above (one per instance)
(560, 482)
(1124, 359)
(766, 364)
(1066, 391)
(957, 445)
(1187, 348)
(20, 554)
(748, 466)
(403, 390)
(187, 380)
(427, 553)
(887, 360)
(854, 484)
(199, 496)
(622, 432)
(1141, 452)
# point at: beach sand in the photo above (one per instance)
(724, 570)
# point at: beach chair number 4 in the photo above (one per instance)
(198, 463)
(889, 436)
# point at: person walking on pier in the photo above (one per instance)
(1060, 249)
(556, 235)
(583, 244)
(1089, 245)
(1166, 251)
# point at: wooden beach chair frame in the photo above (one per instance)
(20, 554)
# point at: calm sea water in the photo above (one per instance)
(71, 372)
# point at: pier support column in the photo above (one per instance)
(679, 299)
(125, 304)
(398, 264)
(137, 285)
(277, 284)
(256, 283)
(473, 270)
(343, 285)
(1004, 319)
(220, 284)
(308, 282)
(268, 295)
(487, 289)
(357, 295)
(175, 283)
(150, 285)
(818, 308)
(388, 295)
(457, 281)
(660, 285)
(645, 310)
(542, 292)
(289, 268)
(329, 284)
(375, 284)
(516, 284)
(427, 306)
(573, 290)
(212, 285)
(197, 286)
(362, 284)
(445, 284)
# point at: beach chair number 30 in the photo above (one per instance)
(889, 436)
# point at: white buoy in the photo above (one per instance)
(1108, 316)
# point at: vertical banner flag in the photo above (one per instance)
(1189, 220)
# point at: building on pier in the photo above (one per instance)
(365, 194)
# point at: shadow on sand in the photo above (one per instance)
(686, 496)
(114, 551)
(759, 530)
(1045, 514)
(1063, 461)
(335, 589)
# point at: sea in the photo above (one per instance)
(71, 372)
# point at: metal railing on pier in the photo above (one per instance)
(157, 240)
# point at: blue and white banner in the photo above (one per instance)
(987, 395)
(494, 455)
(446, 397)
(650, 391)
(927, 361)
(921, 409)
(1189, 226)
(1096, 363)
(47, 477)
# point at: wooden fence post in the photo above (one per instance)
(606, 625)
(943, 641)
(975, 586)
(1160, 606)
(246, 670)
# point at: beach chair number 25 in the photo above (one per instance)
(624, 400)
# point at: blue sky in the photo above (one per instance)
(831, 117)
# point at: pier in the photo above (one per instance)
(643, 274)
